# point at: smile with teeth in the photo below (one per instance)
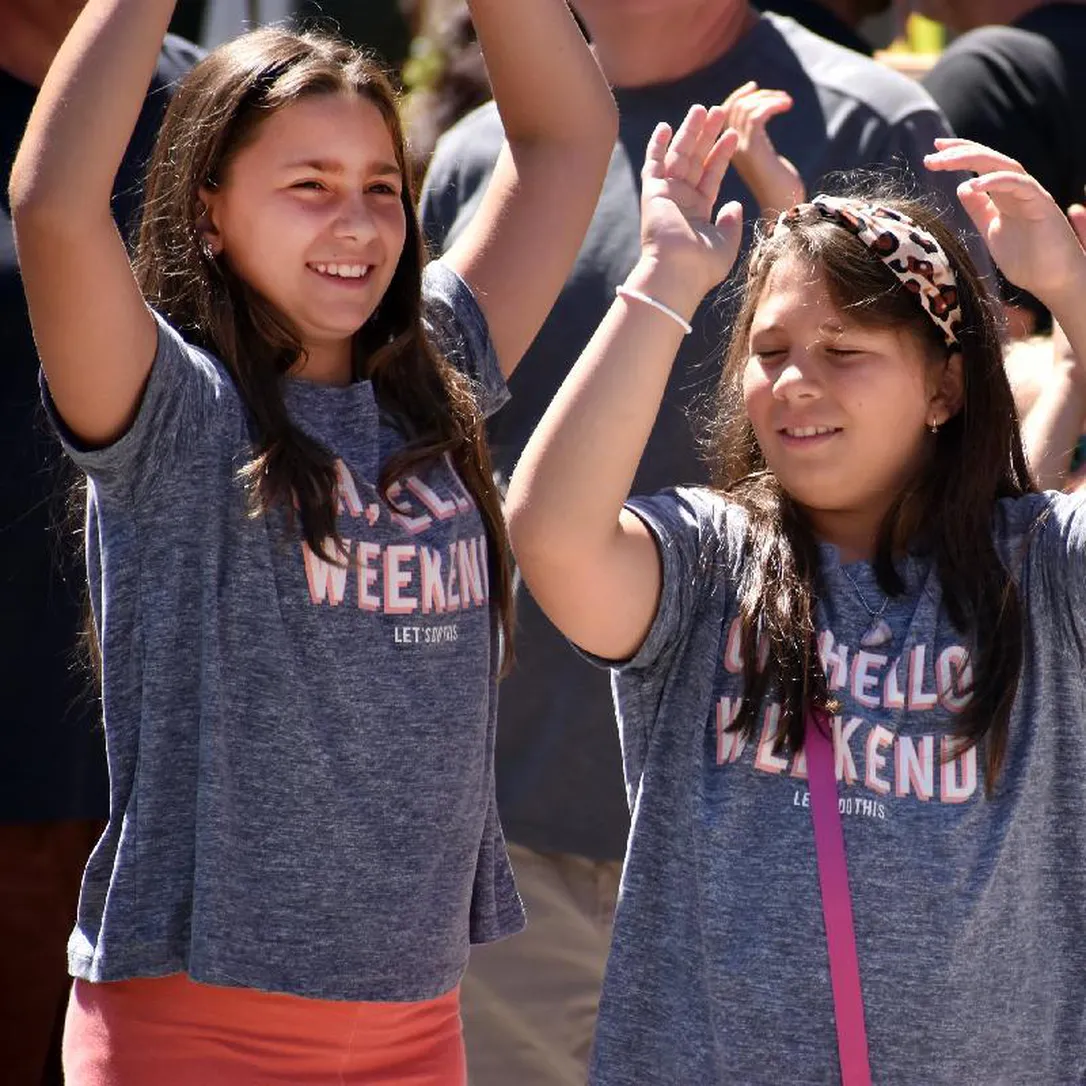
(809, 431)
(342, 271)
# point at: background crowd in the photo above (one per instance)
(1012, 76)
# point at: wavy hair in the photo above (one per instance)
(217, 111)
(977, 459)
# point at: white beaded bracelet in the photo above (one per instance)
(637, 295)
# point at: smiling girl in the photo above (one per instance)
(870, 605)
(295, 549)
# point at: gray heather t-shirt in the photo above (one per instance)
(970, 912)
(559, 775)
(300, 754)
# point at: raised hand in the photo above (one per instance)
(1027, 234)
(771, 178)
(680, 184)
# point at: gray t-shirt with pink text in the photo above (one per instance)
(300, 752)
(970, 912)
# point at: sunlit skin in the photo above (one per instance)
(874, 388)
(317, 187)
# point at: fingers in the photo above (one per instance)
(682, 160)
(739, 93)
(656, 153)
(1014, 193)
(730, 216)
(697, 154)
(1077, 215)
(716, 165)
(978, 206)
(715, 123)
(953, 153)
(749, 109)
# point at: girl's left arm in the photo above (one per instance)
(1037, 249)
(560, 125)
(1057, 418)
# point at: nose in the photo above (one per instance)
(797, 379)
(354, 219)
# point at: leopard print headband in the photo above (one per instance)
(906, 248)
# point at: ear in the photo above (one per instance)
(948, 391)
(206, 222)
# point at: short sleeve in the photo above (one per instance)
(698, 537)
(1043, 540)
(182, 396)
(459, 328)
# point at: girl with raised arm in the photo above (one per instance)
(295, 549)
(870, 606)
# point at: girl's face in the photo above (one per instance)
(310, 215)
(840, 410)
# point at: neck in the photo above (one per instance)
(326, 364)
(855, 535)
(31, 32)
(659, 46)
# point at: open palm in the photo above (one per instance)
(1027, 234)
(680, 186)
(772, 179)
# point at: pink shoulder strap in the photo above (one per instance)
(829, 837)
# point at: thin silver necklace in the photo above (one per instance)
(878, 632)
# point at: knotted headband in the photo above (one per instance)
(905, 247)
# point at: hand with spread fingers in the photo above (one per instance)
(1027, 234)
(680, 184)
(773, 180)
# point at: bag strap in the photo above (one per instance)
(848, 1004)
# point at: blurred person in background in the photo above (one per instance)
(53, 787)
(445, 76)
(530, 1005)
(837, 20)
(1015, 79)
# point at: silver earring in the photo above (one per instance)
(934, 426)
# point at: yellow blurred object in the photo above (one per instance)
(924, 35)
(916, 49)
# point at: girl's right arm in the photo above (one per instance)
(95, 336)
(592, 566)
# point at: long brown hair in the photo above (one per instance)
(216, 111)
(977, 459)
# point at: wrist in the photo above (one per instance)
(677, 288)
(1065, 305)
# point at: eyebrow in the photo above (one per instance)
(828, 327)
(324, 165)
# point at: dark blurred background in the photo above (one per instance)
(376, 23)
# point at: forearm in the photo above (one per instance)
(86, 110)
(1056, 419)
(547, 85)
(579, 465)
(1052, 428)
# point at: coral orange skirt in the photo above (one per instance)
(171, 1031)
